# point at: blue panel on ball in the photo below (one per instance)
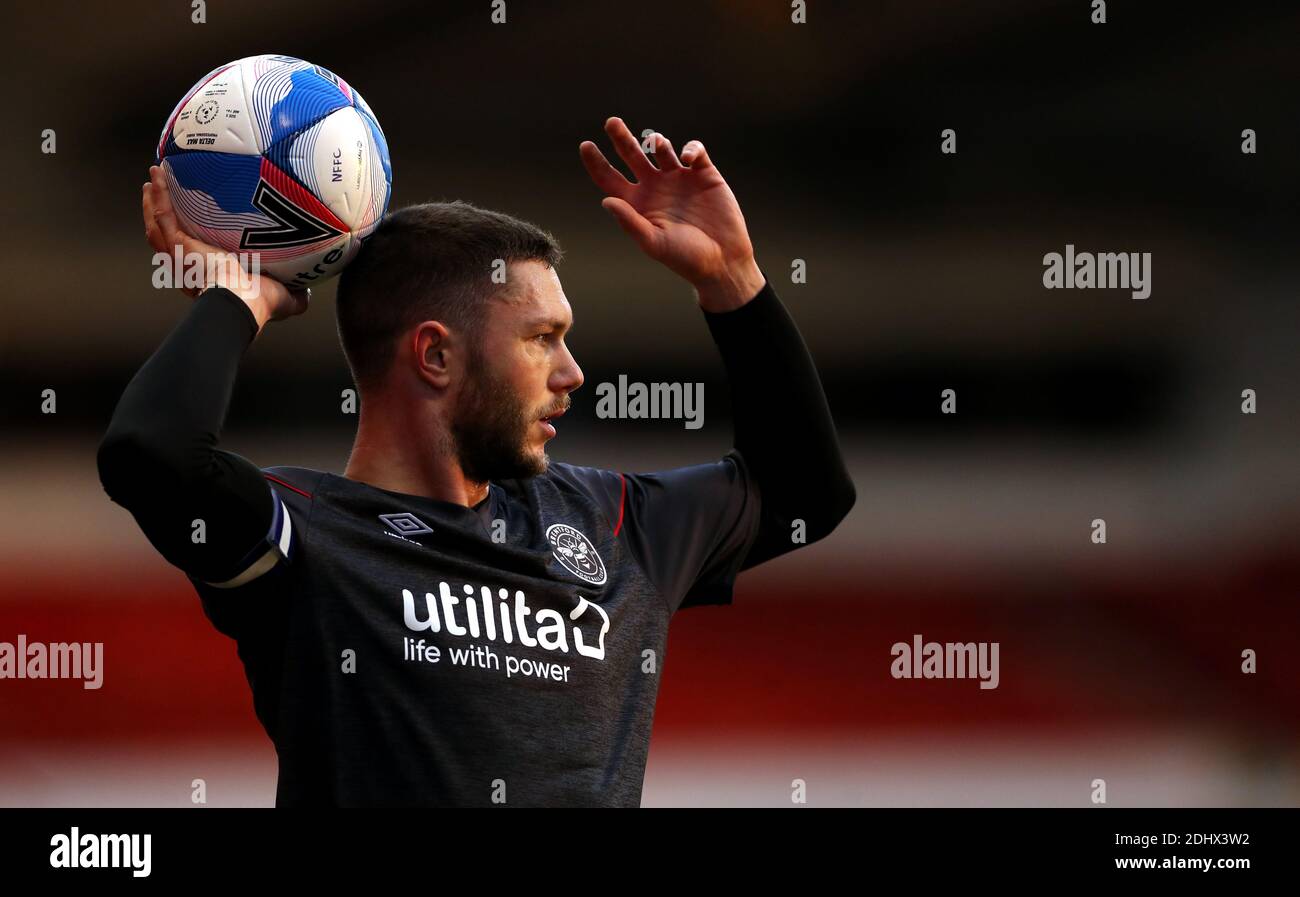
(228, 178)
(282, 155)
(311, 97)
(170, 149)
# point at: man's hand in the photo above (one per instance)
(269, 299)
(682, 214)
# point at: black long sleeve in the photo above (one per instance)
(159, 458)
(782, 424)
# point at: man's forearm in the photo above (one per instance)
(783, 425)
(159, 458)
(184, 389)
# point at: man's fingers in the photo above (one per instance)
(302, 298)
(665, 156)
(637, 227)
(608, 178)
(628, 148)
(165, 216)
(695, 155)
(162, 201)
(152, 232)
(163, 230)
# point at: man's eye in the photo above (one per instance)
(542, 337)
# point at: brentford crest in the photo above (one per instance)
(575, 553)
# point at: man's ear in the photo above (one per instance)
(436, 353)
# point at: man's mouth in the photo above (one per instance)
(546, 421)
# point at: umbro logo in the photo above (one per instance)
(405, 524)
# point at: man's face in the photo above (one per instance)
(522, 373)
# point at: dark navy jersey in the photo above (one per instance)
(404, 650)
(409, 651)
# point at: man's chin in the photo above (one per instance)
(540, 462)
(525, 467)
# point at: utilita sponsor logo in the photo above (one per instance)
(479, 619)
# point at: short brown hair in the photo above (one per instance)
(427, 262)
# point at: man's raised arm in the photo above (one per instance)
(159, 459)
(783, 426)
(698, 522)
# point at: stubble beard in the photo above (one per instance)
(490, 430)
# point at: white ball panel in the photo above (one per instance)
(217, 118)
(333, 159)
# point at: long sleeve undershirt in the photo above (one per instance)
(782, 423)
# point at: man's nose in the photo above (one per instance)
(570, 374)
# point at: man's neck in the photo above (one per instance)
(411, 463)
(383, 475)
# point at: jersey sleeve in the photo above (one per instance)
(223, 529)
(209, 512)
(690, 528)
(256, 596)
(286, 526)
(782, 426)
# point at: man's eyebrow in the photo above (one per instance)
(556, 323)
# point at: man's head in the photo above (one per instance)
(422, 319)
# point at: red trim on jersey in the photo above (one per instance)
(621, 495)
(287, 485)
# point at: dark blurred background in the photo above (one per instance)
(1119, 661)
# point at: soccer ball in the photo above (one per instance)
(275, 156)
